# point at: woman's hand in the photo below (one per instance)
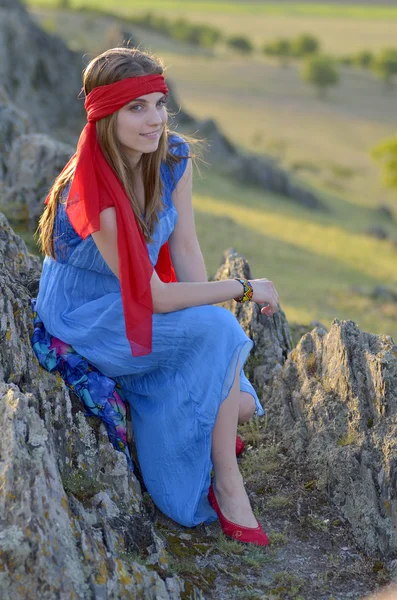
(265, 293)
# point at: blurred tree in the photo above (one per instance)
(145, 19)
(304, 45)
(194, 35)
(179, 30)
(64, 4)
(385, 66)
(346, 60)
(386, 153)
(209, 36)
(363, 59)
(203, 35)
(240, 43)
(280, 48)
(320, 71)
(197, 34)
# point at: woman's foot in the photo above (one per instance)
(249, 535)
(233, 501)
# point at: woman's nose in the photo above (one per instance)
(155, 118)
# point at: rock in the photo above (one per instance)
(42, 76)
(179, 116)
(220, 146)
(382, 292)
(334, 406)
(13, 123)
(71, 515)
(378, 232)
(385, 212)
(271, 335)
(117, 36)
(379, 292)
(34, 162)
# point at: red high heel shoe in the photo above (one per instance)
(239, 445)
(248, 535)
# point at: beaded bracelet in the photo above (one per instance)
(248, 290)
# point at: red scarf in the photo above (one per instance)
(95, 182)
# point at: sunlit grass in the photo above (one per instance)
(302, 9)
(367, 256)
(313, 263)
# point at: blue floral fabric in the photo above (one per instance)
(101, 396)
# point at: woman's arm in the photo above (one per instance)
(167, 297)
(186, 254)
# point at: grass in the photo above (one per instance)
(235, 7)
(349, 439)
(269, 110)
(342, 28)
(314, 262)
(263, 460)
(279, 502)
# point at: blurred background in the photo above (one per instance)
(297, 101)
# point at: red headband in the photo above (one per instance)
(95, 186)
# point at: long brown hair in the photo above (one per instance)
(109, 67)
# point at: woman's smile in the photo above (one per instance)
(153, 135)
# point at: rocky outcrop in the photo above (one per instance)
(29, 163)
(72, 522)
(38, 71)
(13, 123)
(334, 406)
(72, 517)
(271, 335)
(33, 163)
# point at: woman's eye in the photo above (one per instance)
(161, 102)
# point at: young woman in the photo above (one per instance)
(124, 283)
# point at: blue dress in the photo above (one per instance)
(175, 391)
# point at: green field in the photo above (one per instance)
(314, 259)
(235, 7)
(313, 262)
(342, 28)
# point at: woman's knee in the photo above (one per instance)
(220, 319)
(247, 407)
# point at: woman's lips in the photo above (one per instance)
(151, 136)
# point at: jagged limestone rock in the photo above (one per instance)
(38, 71)
(71, 516)
(13, 123)
(334, 405)
(33, 163)
(271, 335)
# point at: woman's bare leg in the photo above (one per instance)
(247, 407)
(228, 483)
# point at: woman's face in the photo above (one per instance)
(140, 123)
